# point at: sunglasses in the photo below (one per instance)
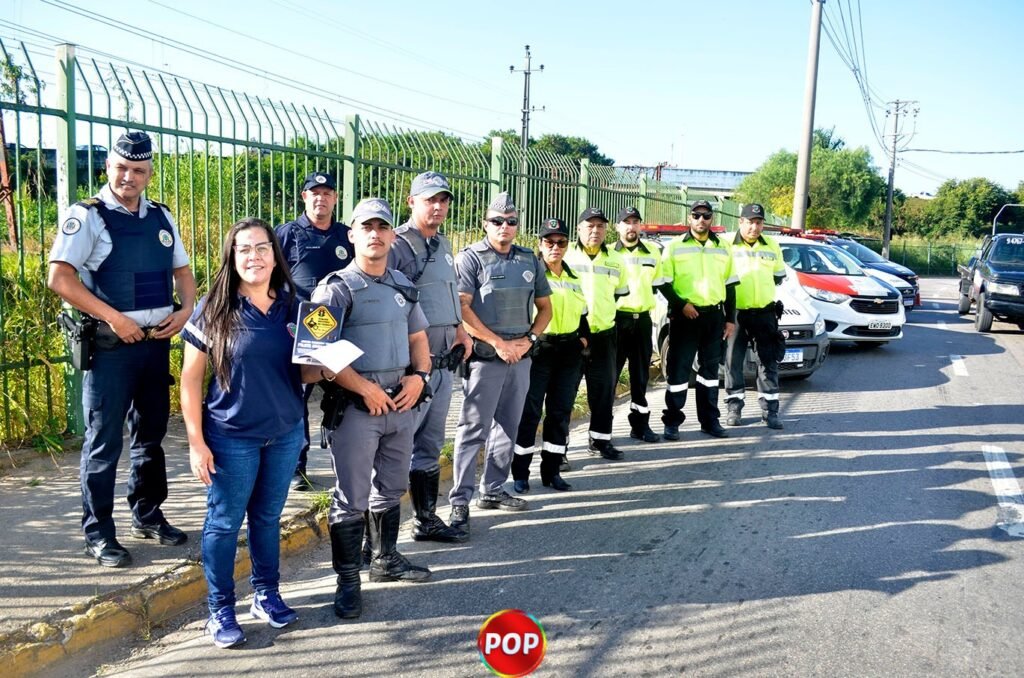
(702, 215)
(561, 242)
(499, 221)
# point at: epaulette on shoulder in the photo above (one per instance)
(89, 203)
(160, 204)
(476, 247)
(522, 250)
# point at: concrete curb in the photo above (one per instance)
(135, 609)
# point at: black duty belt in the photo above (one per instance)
(770, 308)
(560, 338)
(630, 315)
(708, 309)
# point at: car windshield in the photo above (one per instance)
(821, 259)
(864, 254)
(1008, 250)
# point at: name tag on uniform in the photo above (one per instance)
(317, 325)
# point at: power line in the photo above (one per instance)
(938, 150)
(282, 80)
(321, 61)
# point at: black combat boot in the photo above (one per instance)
(388, 564)
(640, 426)
(735, 415)
(367, 552)
(427, 526)
(345, 556)
(770, 414)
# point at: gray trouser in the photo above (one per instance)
(429, 438)
(370, 456)
(494, 394)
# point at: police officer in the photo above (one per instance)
(372, 444)
(642, 268)
(499, 284)
(119, 258)
(314, 245)
(702, 308)
(757, 262)
(424, 255)
(554, 367)
(602, 276)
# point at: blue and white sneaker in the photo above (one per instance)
(270, 608)
(224, 628)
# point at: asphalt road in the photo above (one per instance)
(860, 541)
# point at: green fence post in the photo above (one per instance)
(496, 176)
(350, 183)
(583, 192)
(67, 194)
(642, 202)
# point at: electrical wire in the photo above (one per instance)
(938, 150)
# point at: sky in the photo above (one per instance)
(704, 85)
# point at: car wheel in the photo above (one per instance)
(964, 306)
(663, 352)
(983, 318)
(869, 345)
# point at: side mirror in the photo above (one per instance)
(971, 262)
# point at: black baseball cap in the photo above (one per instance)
(701, 203)
(315, 179)
(752, 210)
(593, 213)
(627, 213)
(553, 227)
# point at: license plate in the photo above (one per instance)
(908, 302)
(880, 325)
(793, 355)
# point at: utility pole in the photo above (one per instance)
(524, 140)
(803, 163)
(895, 108)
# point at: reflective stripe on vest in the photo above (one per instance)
(642, 273)
(756, 267)
(567, 304)
(601, 279)
(699, 273)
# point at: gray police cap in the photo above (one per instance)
(429, 184)
(502, 203)
(372, 208)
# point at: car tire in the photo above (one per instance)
(870, 345)
(983, 318)
(663, 353)
(964, 305)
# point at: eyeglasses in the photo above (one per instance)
(702, 215)
(561, 242)
(262, 249)
(499, 221)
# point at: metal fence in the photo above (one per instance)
(933, 259)
(220, 155)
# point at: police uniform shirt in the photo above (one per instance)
(313, 238)
(643, 274)
(335, 292)
(699, 272)
(568, 305)
(264, 400)
(471, 279)
(83, 241)
(759, 268)
(603, 280)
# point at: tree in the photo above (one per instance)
(575, 148)
(966, 208)
(845, 186)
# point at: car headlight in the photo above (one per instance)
(1004, 288)
(826, 295)
(819, 326)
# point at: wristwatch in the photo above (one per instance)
(532, 337)
(425, 376)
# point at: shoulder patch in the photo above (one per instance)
(71, 226)
(89, 202)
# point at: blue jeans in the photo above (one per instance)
(251, 481)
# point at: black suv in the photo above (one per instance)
(994, 278)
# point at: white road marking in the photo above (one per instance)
(1010, 511)
(942, 325)
(959, 367)
(935, 305)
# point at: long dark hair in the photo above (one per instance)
(221, 315)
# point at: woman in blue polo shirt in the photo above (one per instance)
(244, 437)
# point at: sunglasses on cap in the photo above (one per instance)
(701, 215)
(499, 221)
(560, 242)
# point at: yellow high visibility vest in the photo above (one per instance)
(643, 273)
(757, 266)
(568, 304)
(699, 271)
(602, 279)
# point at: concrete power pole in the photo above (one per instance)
(803, 163)
(894, 108)
(524, 140)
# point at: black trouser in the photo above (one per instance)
(701, 337)
(599, 371)
(633, 334)
(759, 326)
(554, 380)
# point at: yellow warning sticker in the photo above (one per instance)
(320, 322)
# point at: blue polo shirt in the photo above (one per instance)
(265, 396)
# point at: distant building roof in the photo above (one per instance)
(716, 181)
